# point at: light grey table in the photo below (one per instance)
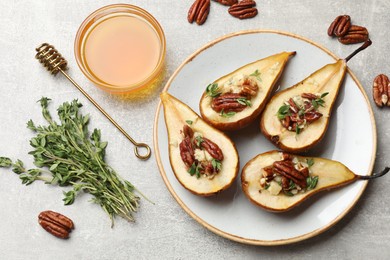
(164, 230)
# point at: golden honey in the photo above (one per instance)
(120, 48)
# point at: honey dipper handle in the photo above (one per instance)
(137, 145)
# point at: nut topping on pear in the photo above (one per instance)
(296, 118)
(278, 182)
(203, 159)
(236, 99)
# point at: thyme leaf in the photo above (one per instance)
(283, 112)
(213, 90)
(310, 162)
(244, 101)
(66, 154)
(256, 74)
(227, 114)
(311, 182)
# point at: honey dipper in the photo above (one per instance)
(54, 62)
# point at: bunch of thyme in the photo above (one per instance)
(74, 158)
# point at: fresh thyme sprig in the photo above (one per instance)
(75, 158)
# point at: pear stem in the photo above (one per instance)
(365, 45)
(375, 175)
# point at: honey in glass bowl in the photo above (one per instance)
(120, 48)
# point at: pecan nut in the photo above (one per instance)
(356, 34)
(212, 148)
(187, 153)
(228, 103)
(227, 2)
(187, 131)
(287, 169)
(199, 11)
(381, 90)
(244, 9)
(55, 223)
(340, 26)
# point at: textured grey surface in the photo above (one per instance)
(164, 230)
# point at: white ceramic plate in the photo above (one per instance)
(351, 139)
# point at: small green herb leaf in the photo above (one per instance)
(311, 182)
(199, 140)
(310, 162)
(217, 165)
(227, 114)
(324, 94)
(189, 122)
(256, 74)
(297, 130)
(18, 167)
(212, 90)
(195, 170)
(283, 112)
(5, 162)
(244, 101)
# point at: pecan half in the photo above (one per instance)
(187, 131)
(356, 34)
(187, 151)
(199, 11)
(228, 103)
(227, 2)
(285, 183)
(312, 116)
(244, 9)
(212, 148)
(287, 169)
(249, 88)
(381, 90)
(309, 96)
(268, 172)
(55, 223)
(340, 26)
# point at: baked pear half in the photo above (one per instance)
(204, 160)
(278, 182)
(296, 119)
(236, 99)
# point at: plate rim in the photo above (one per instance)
(224, 233)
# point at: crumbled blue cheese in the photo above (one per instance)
(199, 155)
(274, 188)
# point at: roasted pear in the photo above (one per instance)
(297, 118)
(204, 160)
(277, 181)
(236, 99)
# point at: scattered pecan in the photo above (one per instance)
(309, 96)
(304, 172)
(268, 172)
(199, 11)
(356, 34)
(293, 106)
(312, 116)
(187, 131)
(187, 151)
(287, 157)
(228, 103)
(212, 148)
(227, 2)
(244, 9)
(55, 223)
(249, 88)
(287, 169)
(285, 183)
(340, 26)
(381, 90)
